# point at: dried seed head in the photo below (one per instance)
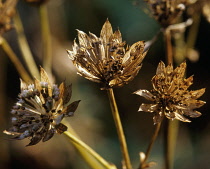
(39, 110)
(107, 59)
(166, 12)
(7, 11)
(170, 95)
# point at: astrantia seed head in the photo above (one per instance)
(7, 11)
(166, 12)
(40, 108)
(170, 95)
(107, 59)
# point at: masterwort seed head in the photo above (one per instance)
(7, 11)
(170, 95)
(166, 12)
(39, 110)
(107, 59)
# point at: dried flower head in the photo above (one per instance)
(166, 12)
(7, 11)
(40, 108)
(105, 59)
(171, 96)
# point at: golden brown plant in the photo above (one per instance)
(105, 59)
(171, 96)
(7, 11)
(39, 110)
(166, 12)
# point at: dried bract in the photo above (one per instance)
(170, 95)
(105, 59)
(40, 108)
(166, 12)
(7, 11)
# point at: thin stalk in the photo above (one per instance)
(14, 59)
(25, 49)
(193, 31)
(119, 128)
(169, 49)
(89, 150)
(152, 141)
(168, 133)
(46, 38)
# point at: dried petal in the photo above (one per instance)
(148, 107)
(146, 94)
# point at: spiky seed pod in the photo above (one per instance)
(106, 59)
(170, 95)
(166, 12)
(40, 108)
(7, 11)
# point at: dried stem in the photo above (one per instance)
(168, 133)
(46, 38)
(25, 49)
(78, 143)
(193, 31)
(152, 141)
(119, 128)
(14, 59)
(169, 49)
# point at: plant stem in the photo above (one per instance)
(82, 145)
(152, 141)
(193, 31)
(46, 38)
(169, 131)
(25, 49)
(169, 49)
(119, 128)
(14, 59)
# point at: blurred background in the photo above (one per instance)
(93, 119)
